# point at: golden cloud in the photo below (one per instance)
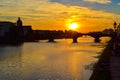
(43, 14)
(99, 1)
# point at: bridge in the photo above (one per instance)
(51, 35)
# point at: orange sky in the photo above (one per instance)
(44, 14)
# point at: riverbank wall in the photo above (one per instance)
(101, 70)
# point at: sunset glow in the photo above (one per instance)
(73, 26)
(39, 16)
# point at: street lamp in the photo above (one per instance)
(115, 26)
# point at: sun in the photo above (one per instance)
(73, 26)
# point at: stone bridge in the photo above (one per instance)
(71, 35)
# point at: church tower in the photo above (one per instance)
(19, 22)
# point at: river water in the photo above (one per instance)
(62, 60)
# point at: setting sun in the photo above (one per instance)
(73, 26)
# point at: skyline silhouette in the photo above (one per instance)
(18, 33)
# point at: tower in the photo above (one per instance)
(19, 22)
(20, 29)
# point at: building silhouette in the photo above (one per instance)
(14, 32)
(5, 28)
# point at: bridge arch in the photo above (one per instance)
(51, 40)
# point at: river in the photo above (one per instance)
(62, 60)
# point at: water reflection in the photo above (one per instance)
(48, 61)
(10, 62)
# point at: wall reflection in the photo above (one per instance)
(10, 62)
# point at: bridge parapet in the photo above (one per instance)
(98, 35)
(51, 35)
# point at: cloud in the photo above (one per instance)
(8, 17)
(118, 4)
(99, 1)
(1, 5)
(44, 14)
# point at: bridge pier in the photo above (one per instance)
(97, 39)
(51, 40)
(75, 40)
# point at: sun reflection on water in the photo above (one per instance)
(62, 60)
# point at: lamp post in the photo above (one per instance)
(115, 26)
(118, 29)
